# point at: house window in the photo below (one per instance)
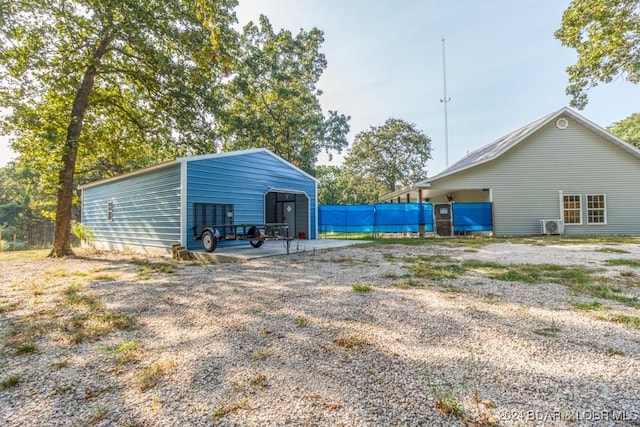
(572, 209)
(110, 211)
(596, 209)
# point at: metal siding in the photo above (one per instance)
(243, 181)
(526, 180)
(146, 210)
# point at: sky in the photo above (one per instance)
(504, 68)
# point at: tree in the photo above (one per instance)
(90, 83)
(274, 100)
(19, 189)
(330, 190)
(627, 129)
(384, 159)
(606, 37)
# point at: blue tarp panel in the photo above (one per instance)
(400, 218)
(379, 218)
(472, 216)
(346, 219)
(403, 217)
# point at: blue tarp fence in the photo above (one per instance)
(400, 218)
(472, 217)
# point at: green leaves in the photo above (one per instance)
(627, 129)
(273, 99)
(107, 86)
(606, 37)
(384, 159)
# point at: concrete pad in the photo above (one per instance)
(244, 252)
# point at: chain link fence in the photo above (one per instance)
(37, 234)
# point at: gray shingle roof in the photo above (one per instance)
(497, 148)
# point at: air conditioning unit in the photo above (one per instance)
(552, 226)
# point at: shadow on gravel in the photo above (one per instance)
(288, 342)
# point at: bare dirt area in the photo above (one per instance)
(499, 334)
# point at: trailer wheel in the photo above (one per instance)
(209, 242)
(255, 232)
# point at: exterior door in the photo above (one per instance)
(442, 216)
(289, 216)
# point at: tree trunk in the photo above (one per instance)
(62, 234)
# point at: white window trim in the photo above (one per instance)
(562, 196)
(587, 209)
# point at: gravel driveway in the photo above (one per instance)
(501, 334)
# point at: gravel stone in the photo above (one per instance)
(285, 341)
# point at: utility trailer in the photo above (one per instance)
(256, 234)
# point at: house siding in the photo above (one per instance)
(527, 179)
(243, 180)
(145, 207)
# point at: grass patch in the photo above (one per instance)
(57, 272)
(607, 292)
(105, 322)
(93, 325)
(151, 375)
(105, 276)
(260, 381)
(552, 331)
(389, 257)
(411, 282)
(515, 276)
(72, 289)
(92, 302)
(493, 301)
(587, 306)
(361, 288)
(625, 319)
(259, 354)
(226, 409)
(145, 272)
(37, 289)
(446, 404)
(343, 260)
(25, 348)
(28, 255)
(612, 251)
(437, 271)
(32, 326)
(10, 382)
(474, 264)
(623, 261)
(6, 307)
(89, 319)
(543, 273)
(611, 351)
(427, 259)
(351, 342)
(478, 242)
(302, 322)
(126, 352)
(60, 364)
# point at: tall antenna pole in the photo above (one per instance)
(445, 99)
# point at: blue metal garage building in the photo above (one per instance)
(153, 208)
